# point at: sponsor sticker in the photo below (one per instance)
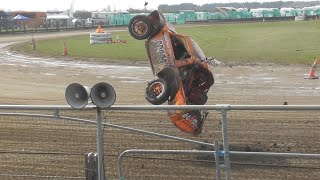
(158, 51)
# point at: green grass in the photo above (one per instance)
(277, 42)
(80, 47)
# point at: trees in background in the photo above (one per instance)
(82, 14)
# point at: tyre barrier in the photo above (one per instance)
(299, 18)
(100, 38)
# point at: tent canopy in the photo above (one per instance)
(20, 17)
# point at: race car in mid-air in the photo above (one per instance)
(181, 70)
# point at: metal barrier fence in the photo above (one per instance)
(52, 145)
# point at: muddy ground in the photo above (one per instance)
(37, 148)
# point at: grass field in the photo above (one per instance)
(276, 42)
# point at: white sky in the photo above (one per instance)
(91, 5)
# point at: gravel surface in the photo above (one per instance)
(39, 81)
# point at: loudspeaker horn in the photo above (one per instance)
(103, 95)
(77, 95)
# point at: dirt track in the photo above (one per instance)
(27, 80)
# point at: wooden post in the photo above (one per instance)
(65, 49)
(33, 42)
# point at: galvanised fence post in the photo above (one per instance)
(100, 149)
(217, 159)
(225, 142)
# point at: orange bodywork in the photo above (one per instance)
(162, 55)
(177, 116)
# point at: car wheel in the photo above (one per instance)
(174, 87)
(172, 79)
(157, 91)
(140, 27)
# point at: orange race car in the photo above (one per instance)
(181, 70)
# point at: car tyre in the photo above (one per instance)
(174, 87)
(140, 27)
(157, 91)
(172, 79)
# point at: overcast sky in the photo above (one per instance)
(90, 5)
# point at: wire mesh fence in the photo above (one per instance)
(248, 131)
(35, 147)
(168, 166)
(38, 147)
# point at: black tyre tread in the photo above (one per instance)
(172, 79)
(163, 98)
(174, 86)
(147, 21)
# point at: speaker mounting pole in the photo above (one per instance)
(103, 96)
(101, 174)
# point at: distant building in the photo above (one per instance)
(3, 19)
(36, 18)
(265, 12)
(57, 19)
(288, 12)
(101, 17)
(111, 18)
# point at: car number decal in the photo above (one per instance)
(159, 51)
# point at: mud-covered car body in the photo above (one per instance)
(181, 70)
